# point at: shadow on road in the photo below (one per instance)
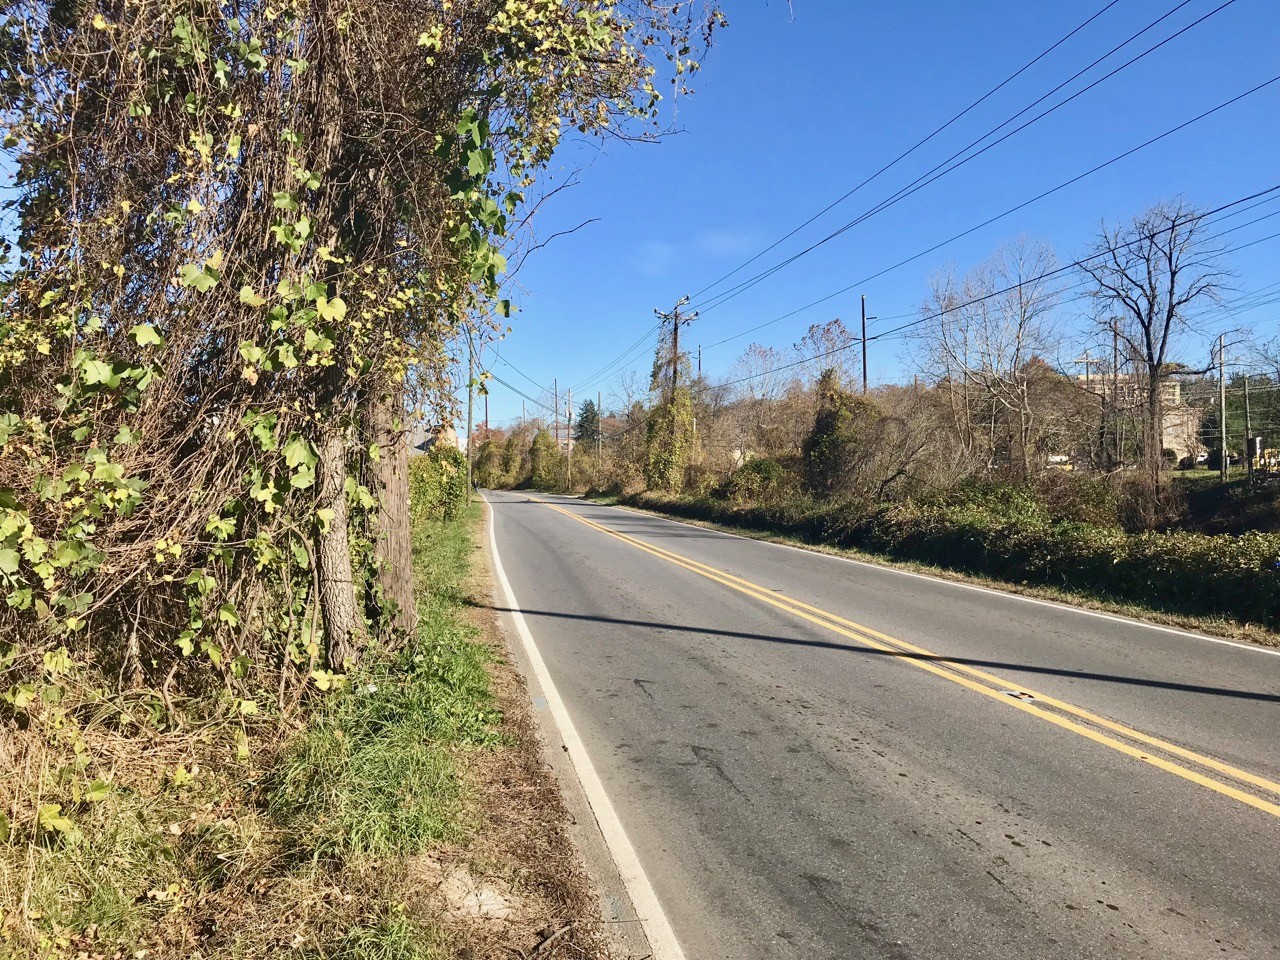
(907, 655)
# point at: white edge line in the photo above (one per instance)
(662, 939)
(1254, 647)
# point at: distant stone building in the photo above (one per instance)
(424, 438)
(1181, 420)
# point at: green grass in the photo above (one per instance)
(374, 773)
(246, 855)
(392, 937)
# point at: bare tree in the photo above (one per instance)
(830, 345)
(1150, 275)
(982, 338)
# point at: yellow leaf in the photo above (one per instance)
(99, 23)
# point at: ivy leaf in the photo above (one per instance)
(202, 278)
(99, 371)
(332, 310)
(299, 452)
(325, 517)
(145, 335)
(249, 297)
(9, 560)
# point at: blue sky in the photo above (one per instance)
(797, 105)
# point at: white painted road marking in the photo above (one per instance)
(662, 939)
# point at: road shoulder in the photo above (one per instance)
(555, 780)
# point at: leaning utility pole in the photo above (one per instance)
(1222, 404)
(555, 411)
(865, 318)
(599, 430)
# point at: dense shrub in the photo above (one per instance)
(756, 481)
(999, 534)
(437, 484)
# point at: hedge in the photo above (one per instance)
(1207, 575)
(437, 484)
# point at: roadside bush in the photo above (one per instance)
(756, 481)
(437, 484)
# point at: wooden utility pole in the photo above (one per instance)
(471, 396)
(865, 318)
(1248, 434)
(1222, 404)
(568, 430)
(675, 318)
(1115, 388)
(555, 411)
(599, 428)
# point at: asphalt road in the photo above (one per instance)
(820, 759)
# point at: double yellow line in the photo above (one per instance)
(988, 684)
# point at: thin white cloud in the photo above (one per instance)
(655, 257)
(730, 242)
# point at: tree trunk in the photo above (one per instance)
(1155, 430)
(389, 483)
(333, 555)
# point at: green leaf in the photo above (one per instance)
(146, 335)
(9, 560)
(97, 791)
(249, 297)
(325, 516)
(332, 310)
(299, 452)
(98, 371)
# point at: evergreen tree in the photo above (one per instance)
(588, 426)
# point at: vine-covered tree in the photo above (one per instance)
(249, 239)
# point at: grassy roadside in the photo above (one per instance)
(1214, 626)
(408, 817)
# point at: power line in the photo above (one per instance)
(988, 222)
(497, 356)
(1054, 272)
(1270, 191)
(910, 150)
(622, 358)
(521, 393)
(933, 175)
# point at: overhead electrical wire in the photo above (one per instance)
(941, 169)
(619, 360)
(910, 150)
(991, 220)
